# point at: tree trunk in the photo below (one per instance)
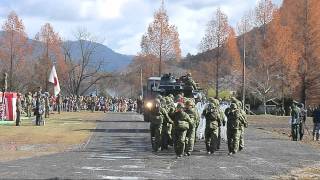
(264, 105)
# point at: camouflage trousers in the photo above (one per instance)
(233, 136)
(47, 112)
(155, 132)
(241, 139)
(29, 110)
(166, 136)
(179, 140)
(295, 132)
(211, 139)
(190, 139)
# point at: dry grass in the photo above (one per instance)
(304, 173)
(280, 127)
(61, 133)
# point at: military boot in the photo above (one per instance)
(208, 148)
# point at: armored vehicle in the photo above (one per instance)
(165, 85)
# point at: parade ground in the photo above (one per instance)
(117, 146)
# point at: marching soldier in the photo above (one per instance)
(213, 122)
(166, 138)
(156, 122)
(181, 124)
(233, 128)
(242, 125)
(191, 132)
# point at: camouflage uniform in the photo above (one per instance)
(29, 104)
(295, 122)
(213, 122)
(181, 123)
(191, 132)
(167, 123)
(156, 120)
(47, 106)
(233, 128)
(217, 103)
(39, 110)
(18, 110)
(242, 125)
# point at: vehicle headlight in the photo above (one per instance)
(149, 105)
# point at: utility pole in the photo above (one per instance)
(244, 73)
(141, 83)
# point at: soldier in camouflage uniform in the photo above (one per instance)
(156, 121)
(233, 128)
(191, 132)
(18, 110)
(190, 82)
(39, 109)
(242, 125)
(295, 122)
(223, 121)
(168, 109)
(212, 113)
(181, 123)
(29, 104)
(47, 105)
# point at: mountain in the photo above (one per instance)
(112, 61)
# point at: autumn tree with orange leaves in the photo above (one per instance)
(50, 53)
(302, 17)
(216, 37)
(14, 49)
(161, 40)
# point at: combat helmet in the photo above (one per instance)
(211, 100)
(189, 103)
(233, 106)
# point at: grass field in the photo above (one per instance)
(61, 133)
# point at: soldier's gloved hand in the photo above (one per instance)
(224, 123)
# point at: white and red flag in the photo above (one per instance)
(53, 78)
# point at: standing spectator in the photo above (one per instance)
(139, 105)
(316, 123)
(19, 109)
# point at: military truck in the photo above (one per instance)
(165, 85)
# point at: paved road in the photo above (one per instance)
(120, 148)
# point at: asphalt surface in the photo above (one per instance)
(120, 149)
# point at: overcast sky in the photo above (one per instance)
(121, 23)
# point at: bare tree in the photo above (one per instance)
(264, 14)
(262, 84)
(84, 72)
(217, 34)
